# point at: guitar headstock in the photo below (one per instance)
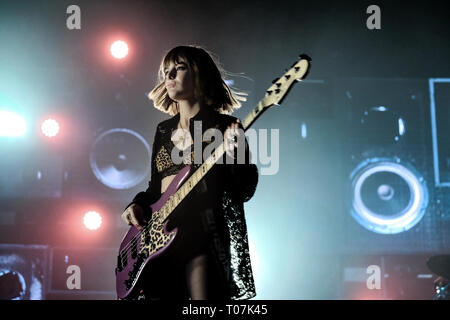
(280, 87)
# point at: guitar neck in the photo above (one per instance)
(253, 115)
(198, 175)
(274, 96)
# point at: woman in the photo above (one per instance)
(209, 258)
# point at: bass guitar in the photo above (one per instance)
(138, 248)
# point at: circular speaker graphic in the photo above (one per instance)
(120, 158)
(387, 196)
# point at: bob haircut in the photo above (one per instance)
(209, 85)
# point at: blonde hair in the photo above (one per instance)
(209, 85)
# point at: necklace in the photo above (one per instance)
(184, 140)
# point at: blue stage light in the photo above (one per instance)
(12, 124)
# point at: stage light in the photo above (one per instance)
(119, 49)
(50, 128)
(255, 259)
(92, 220)
(12, 124)
(304, 131)
(401, 126)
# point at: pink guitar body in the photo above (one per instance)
(137, 248)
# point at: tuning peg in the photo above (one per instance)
(287, 76)
(304, 56)
(269, 92)
(275, 80)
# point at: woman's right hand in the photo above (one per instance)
(134, 216)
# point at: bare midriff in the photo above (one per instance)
(165, 182)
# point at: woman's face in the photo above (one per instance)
(179, 81)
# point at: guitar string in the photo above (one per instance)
(130, 245)
(123, 254)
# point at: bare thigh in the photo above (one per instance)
(197, 277)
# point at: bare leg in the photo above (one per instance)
(197, 277)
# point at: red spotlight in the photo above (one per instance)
(50, 127)
(119, 49)
(92, 220)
